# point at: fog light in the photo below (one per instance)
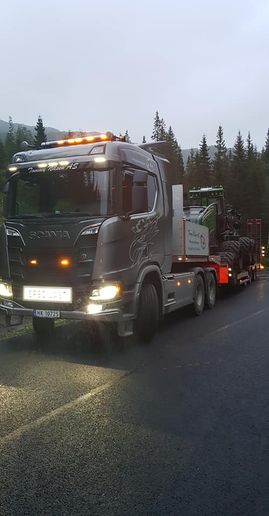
(5, 290)
(94, 309)
(64, 262)
(33, 261)
(106, 293)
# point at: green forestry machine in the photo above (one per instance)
(207, 207)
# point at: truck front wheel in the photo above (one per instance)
(43, 327)
(148, 317)
(198, 295)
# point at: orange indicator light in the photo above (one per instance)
(33, 261)
(189, 281)
(64, 262)
(178, 283)
(103, 137)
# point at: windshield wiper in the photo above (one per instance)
(25, 216)
(72, 214)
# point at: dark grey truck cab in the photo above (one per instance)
(88, 235)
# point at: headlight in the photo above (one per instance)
(92, 230)
(106, 293)
(5, 290)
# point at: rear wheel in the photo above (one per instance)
(148, 317)
(43, 327)
(211, 290)
(198, 295)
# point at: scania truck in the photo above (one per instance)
(95, 229)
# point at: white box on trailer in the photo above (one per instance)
(196, 239)
(189, 239)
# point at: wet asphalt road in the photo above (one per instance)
(179, 427)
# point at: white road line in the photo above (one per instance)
(238, 321)
(33, 425)
(16, 434)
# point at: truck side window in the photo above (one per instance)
(146, 190)
(152, 191)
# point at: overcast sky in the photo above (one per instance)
(110, 64)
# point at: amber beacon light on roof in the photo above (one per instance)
(90, 138)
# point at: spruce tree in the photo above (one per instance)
(10, 146)
(190, 176)
(250, 148)
(175, 154)
(40, 135)
(127, 137)
(239, 153)
(159, 128)
(238, 176)
(156, 127)
(265, 151)
(162, 130)
(220, 161)
(204, 164)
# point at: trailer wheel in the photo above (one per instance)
(211, 290)
(148, 317)
(198, 295)
(43, 327)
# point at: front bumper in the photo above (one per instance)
(12, 308)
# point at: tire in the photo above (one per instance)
(198, 295)
(148, 317)
(43, 327)
(211, 290)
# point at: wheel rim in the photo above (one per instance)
(199, 296)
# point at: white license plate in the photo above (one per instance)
(48, 314)
(50, 294)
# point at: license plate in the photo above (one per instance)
(50, 294)
(48, 314)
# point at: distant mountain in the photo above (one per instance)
(52, 133)
(186, 152)
(55, 134)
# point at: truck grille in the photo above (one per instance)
(47, 271)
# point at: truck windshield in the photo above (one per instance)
(79, 192)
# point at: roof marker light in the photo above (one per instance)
(42, 165)
(63, 163)
(12, 169)
(90, 138)
(53, 164)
